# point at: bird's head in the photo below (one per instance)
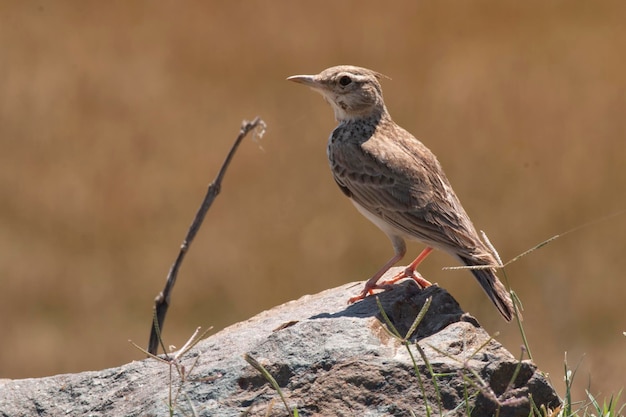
(353, 92)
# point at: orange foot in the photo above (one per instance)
(385, 285)
(368, 290)
(407, 273)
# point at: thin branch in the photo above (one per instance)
(162, 301)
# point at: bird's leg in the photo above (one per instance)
(399, 248)
(409, 271)
(371, 284)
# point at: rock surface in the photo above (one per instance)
(329, 359)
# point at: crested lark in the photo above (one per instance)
(396, 182)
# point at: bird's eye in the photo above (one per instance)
(345, 80)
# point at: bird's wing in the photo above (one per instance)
(401, 182)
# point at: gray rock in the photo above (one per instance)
(329, 359)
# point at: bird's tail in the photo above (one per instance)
(493, 287)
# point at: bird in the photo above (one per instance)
(397, 183)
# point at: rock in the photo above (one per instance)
(329, 359)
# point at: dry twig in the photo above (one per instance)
(162, 301)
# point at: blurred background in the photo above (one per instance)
(115, 116)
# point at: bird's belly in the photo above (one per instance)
(389, 229)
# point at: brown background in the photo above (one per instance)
(114, 117)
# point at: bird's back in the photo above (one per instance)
(386, 170)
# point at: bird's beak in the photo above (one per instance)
(308, 80)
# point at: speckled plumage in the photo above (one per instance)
(396, 182)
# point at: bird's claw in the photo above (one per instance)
(407, 273)
(369, 290)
